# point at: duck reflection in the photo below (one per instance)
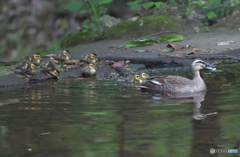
(196, 98)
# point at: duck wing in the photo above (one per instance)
(168, 83)
(172, 80)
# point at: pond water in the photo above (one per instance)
(106, 118)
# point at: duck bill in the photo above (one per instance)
(209, 68)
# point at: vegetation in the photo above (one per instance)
(21, 38)
(94, 10)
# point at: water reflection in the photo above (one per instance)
(90, 117)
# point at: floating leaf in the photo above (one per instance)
(167, 50)
(140, 43)
(128, 69)
(172, 38)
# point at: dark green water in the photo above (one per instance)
(97, 118)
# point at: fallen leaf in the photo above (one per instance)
(172, 38)
(128, 69)
(167, 50)
(142, 42)
(149, 50)
(194, 49)
(175, 46)
(139, 51)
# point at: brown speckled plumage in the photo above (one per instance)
(178, 83)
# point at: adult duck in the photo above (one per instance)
(171, 83)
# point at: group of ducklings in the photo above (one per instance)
(88, 64)
(137, 78)
(34, 63)
(51, 65)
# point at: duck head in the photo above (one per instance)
(144, 75)
(198, 65)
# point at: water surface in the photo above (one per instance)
(101, 118)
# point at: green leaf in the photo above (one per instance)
(211, 15)
(167, 50)
(149, 4)
(199, 3)
(172, 38)
(93, 2)
(20, 76)
(135, 5)
(105, 1)
(128, 69)
(83, 11)
(74, 6)
(140, 43)
(158, 4)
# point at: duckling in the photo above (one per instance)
(63, 56)
(144, 77)
(49, 67)
(90, 58)
(89, 70)
(136, 79)
(33, 58)
(179, 84)
(26, 67)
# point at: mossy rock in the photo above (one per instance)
(143, 27)
(129, 29)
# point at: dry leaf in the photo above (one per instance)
(194, 49)
(175, 46)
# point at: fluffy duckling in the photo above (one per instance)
(48, 66)
(26, 67)
(144, 77)
(33, 58)
(136, 79)
(90, 58)
(89, 70)
(62, 56)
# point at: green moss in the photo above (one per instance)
(77, 38)
(130, 29)
(4, 70)
(142, 27)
